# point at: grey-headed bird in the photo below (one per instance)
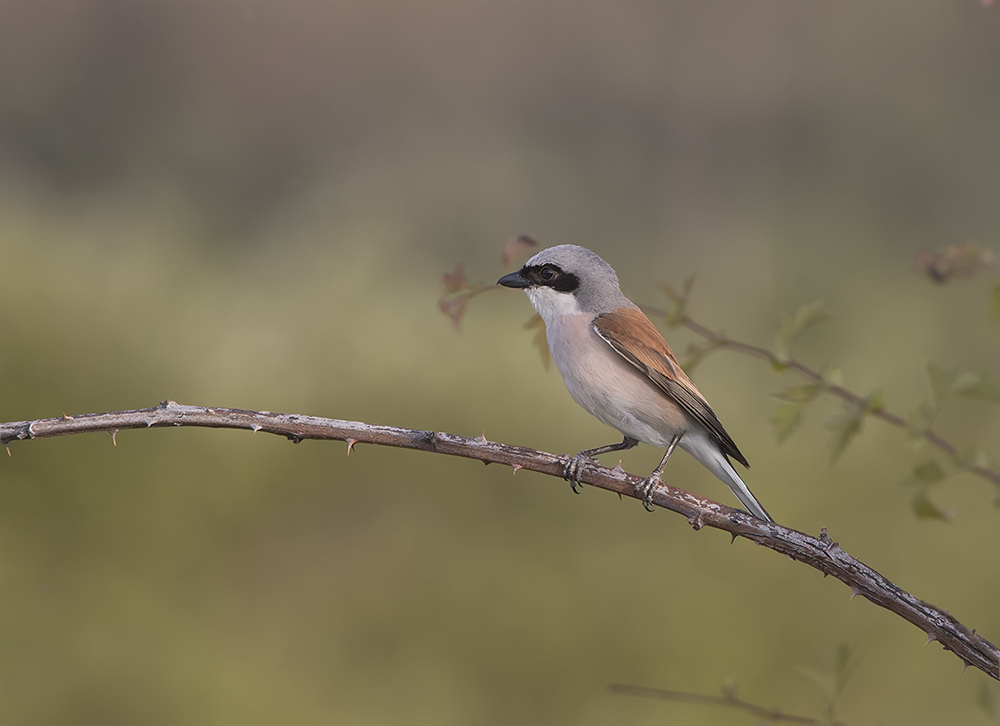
(619, 368)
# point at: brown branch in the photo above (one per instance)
(721, 340)
(820, 553)
(770, 715)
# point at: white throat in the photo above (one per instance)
(552, 304)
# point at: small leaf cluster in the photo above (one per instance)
(945, 383)
(677, 313)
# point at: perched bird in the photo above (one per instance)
(617, 366)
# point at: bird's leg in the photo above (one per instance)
(645, 487)
(575, 466)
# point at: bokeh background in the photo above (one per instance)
(251, 204)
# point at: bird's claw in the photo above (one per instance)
(645, 488)
(574, 469)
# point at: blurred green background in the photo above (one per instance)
(252, 204)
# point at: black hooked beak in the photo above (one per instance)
(514, 279)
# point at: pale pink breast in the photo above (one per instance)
(608, 386)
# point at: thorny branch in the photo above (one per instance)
(459, 291)
(768, 715)
(955, 261)
(821, 553)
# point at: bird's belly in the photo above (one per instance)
(609, 387)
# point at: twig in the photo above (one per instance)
(767, 714)
(820, 553)
(721, 340)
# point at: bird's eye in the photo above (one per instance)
(548, 274)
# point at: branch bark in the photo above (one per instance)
(821, 553)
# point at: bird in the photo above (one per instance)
(618, 367)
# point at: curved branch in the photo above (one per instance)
(821, 553)
(721, 340)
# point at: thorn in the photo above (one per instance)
(7, 446)
(486, 462)
(350, 445)
(618, 469)
(733, 535)
(149, 423)
(826, 575)
(515, 467)
(619, 494)
(114, 436)
(482, 437)
(855, 591)
(930, 637)
(66, 418)
(965, 666)
(255, 428)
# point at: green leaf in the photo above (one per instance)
(786, 419)
(973, 385)
(833, 375)
(875, 401)
(928, 473)
(845, 426)
(800, 394)
(971, 456)
(941, 381)
(806, 316)
(924, 508)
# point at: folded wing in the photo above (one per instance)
(637, 340)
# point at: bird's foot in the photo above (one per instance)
(574, 469)
(645, 488)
